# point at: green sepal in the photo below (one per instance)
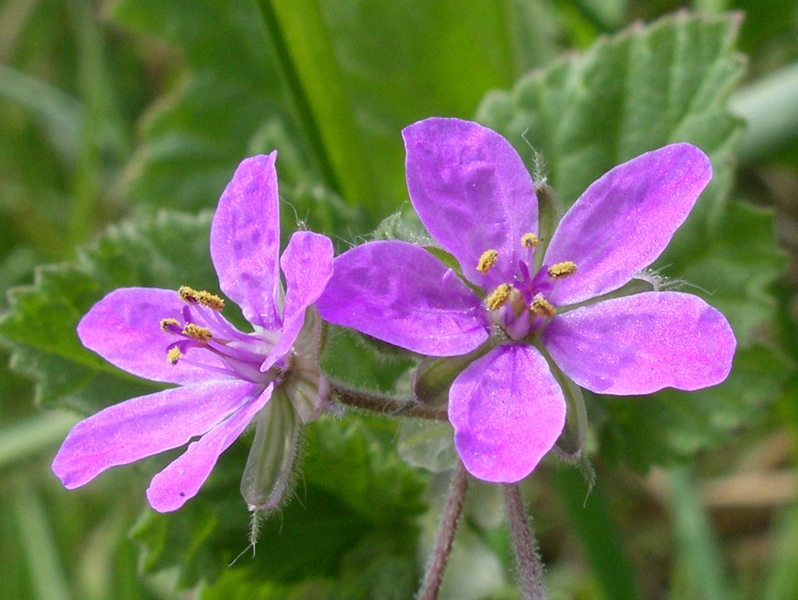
(269, 473)
(434, 375)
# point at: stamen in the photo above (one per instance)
(487, 260)
(203, 298)
(169, 325)
(563, 269)
(529, 240)
(174, 355)
(499, 296)
(542, 307)
(195, 332)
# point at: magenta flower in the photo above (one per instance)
(475, 197)
(225, 376)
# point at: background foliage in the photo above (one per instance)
(123, 120)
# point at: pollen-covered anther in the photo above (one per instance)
(542, 307)
(192, 296)
(195, 332)
(169, 325)
(563, 269)
(529, 240)
(173, 356)
(499, 296)
(487, 260)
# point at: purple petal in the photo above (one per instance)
(401, 294)
(245, 240)
(124, 328)
(625, 219)
(132, 430)
(472, 192)
(507, 411)
(308, 265)
(182, 479)
(640, 344)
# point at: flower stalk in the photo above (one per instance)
(527, 559)
(450, 519)
(384, 404)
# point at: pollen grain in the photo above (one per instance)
(487, 260)
(563, 269)
(195, 332)
(529, 240)
(542, 307)
(173, 355)
(499, 296)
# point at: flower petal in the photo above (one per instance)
(124, 328)
(182, 479)
(507, 411)
(401, 294)
(132, 430)
(625, 219)
(642, 343)
(308, 265)
(245, 240)
(472, 192)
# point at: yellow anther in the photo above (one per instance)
(190, 295)
(541, 306)
(173, 356)
(563, 269)
(499, 296)
(167, 324)
(529, 240)
(487, 260)
(201, 334)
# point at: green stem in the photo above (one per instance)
(385, 404)
(527, 560)
(446, 530)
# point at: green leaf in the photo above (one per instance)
(165, 251)
(628, 94)
(354, 492)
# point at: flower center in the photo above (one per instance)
(207, 340)
(521, 307)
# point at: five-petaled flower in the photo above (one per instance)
(475, 197)
(226, 377)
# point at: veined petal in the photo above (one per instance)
(124, 328)
(245, 240)
(137, 428)
(308, 265)
(401, 294)
(625, 219)
(472, 192)
(182, 479)
(642, 343)
(507, 411)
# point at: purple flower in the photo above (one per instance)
(225, 376)
(475, 197)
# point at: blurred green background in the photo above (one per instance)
(122, 121)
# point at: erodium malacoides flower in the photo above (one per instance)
(475, 197)
(226, 378)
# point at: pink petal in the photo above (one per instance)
(642, 343)
(137, 428)
(308, 265)
(625, 219)
(401, 294)
(182, 479)
(507, 411)
(245, 240)
(472, 192)
(124, 328)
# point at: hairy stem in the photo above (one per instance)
(384, 404)
(527, 560)
(446, 530)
